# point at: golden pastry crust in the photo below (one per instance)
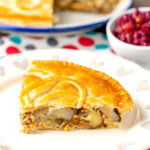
(36, 13)
(63, 84)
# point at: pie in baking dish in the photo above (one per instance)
(39, 13)
(64, 96)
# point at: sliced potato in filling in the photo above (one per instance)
(70, 118)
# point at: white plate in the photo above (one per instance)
(136, 80)
(71, 22)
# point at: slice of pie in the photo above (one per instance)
(64, 96)
(37, 13)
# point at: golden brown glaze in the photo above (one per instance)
(63, 84)
(27, 12)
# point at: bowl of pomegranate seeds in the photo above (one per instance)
(129, 34)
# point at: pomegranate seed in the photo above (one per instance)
(122, 37)
(136, 35)
(136, 41)
(134, 28)
(139, 20)
(144, 44)
(137, 12)
(127, 26)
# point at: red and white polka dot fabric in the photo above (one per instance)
(93, 41)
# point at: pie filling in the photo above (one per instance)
(97, 6)
(70, 118)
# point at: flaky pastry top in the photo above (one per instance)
(26, 12)
(62, 84)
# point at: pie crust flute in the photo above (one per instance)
(64, 96)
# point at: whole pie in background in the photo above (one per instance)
(39, 13)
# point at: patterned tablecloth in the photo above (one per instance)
(93, 41)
